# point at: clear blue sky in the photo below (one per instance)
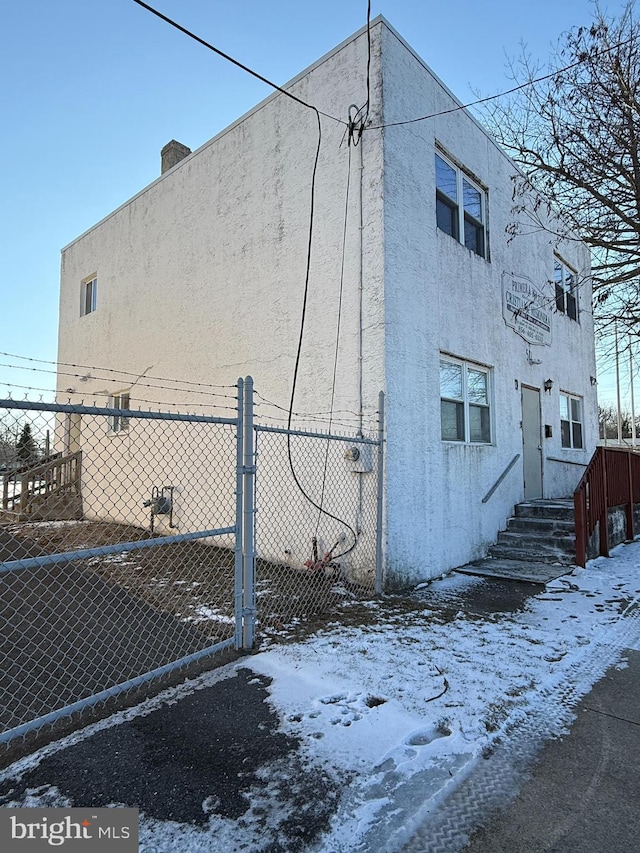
(92, 90)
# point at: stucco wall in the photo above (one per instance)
(441, 297)
(201, 278)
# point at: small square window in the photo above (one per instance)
(464, 221)
(88, 296)
(465, 413)
(571, 421)
(118, 423)
(566, 289)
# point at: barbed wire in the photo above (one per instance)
(66, 395)
(114, 370)
(136, 384)
(308, 414)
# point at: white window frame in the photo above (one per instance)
(465, 402)
(88, 295)
(121, 400)
(457, 207)
(568, 417)
(565, 280)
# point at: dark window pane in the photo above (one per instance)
(479, 424)
(452, 421)
(576, 430)
(446, 178)
(559, 298)
(572, 308)
(474, 236)
(565, 432)
(575, 410)
(447, 216)
(471, 200)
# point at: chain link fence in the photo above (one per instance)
(137, 545)
(118, 555)
(316, 523)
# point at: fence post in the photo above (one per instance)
(237, 584)
(379, 504)
(248, 552)
(604, 518)
(630, 525)
(580, 515)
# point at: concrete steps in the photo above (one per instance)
(538, 544)
(539, 531)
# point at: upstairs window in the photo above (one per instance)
(571, 421)
(565, 280)
(118, 423)
(88, 296)
(460, 206)
(465, 413)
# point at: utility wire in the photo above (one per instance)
(233, 61)
(500, 94)
(359, 118)
(368, 104)
(335, 360)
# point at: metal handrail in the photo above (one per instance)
(500, 478)
(612, 478)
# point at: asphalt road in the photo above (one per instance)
(584, 792)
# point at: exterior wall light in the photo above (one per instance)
(548, 385)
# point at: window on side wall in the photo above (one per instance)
(571, 421)
(566, 287)
(465, 411)
(88, 296)
(460, 206)
(118, 423)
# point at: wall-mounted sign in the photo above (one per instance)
(526, 309)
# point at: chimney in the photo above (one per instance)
(171, 154)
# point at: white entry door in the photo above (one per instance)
(531, 443)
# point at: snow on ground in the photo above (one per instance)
(450, 689)
(418, 696)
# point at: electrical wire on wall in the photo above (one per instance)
(357, 119)
(335, 360)
(355, 126)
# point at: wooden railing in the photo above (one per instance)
(612, 479)
(61, 474)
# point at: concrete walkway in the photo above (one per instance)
(584, 792)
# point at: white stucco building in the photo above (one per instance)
(483, 345)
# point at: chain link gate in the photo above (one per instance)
(120, 553)
(318, 532)
(134, 545)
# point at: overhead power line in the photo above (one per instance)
(234, 61)
(511, 91)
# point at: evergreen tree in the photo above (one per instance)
(26, 446)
